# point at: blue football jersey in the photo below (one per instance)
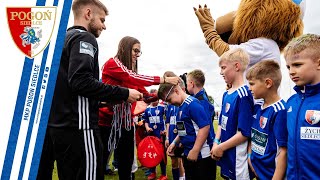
(268, 133)
(154, 117)
(171, 115)
(236, 115)
(208, 107)
(191, 118)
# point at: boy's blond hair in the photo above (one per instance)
(307, 42)
(236, 55)
(265, 69)
(198, 77)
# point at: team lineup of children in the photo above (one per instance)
(259, 134)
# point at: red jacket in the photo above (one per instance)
(115, 73)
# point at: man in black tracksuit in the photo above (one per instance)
(72, 136)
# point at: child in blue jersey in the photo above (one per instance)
(155, 126)
(193, 132)
(231, 140)
(302, 57)
(268, 152)
(195, 83)
(176, 161)
(172, 132)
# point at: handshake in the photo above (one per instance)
(135, 95)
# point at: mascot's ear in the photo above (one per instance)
(224, 25)
(302, 5)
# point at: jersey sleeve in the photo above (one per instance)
(83, 49)
(245, 115)
(115, 69)
(280, 128)
(197, 112)
(145, 116)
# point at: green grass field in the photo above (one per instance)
(139, 175)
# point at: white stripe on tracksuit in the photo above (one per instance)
(89, 143)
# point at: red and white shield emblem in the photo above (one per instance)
(31, 27)
(312, 116)
(263, 122)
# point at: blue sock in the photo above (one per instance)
(148, 172)
(176, 174)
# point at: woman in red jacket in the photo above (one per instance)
(122, 71)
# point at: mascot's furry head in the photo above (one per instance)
(277, 20)
(274, 19)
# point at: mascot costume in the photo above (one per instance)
(262, 27)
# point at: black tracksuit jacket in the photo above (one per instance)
(78, 89)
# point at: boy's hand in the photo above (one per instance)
(219, 151)
(149, 129)
(170, 150)
(140, 123)
(193, 155)
(251, 167)
(216, 152)
(166, 143)
(213, 150)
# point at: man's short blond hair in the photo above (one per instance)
(198, 77)
(265, 69)
(236, 55)
(308, 42)
(78, 4)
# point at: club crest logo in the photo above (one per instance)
(263, 122)
(31, 27)
(312, 116)
(157, 111)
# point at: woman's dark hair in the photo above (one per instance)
(124, 53)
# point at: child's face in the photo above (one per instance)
(190, 85)
(228, 71)
(173, 97)
(258, 88)
(303, 70)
